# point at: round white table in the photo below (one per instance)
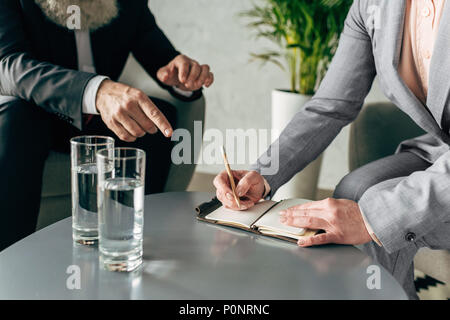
(188, 259)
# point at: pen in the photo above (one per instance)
(230, 176)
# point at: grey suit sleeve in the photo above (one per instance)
(401, 211)
(336, 103)
(55, 89)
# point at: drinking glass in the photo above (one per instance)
(84, 186)
(121, 174)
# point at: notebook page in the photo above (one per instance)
(270, 222)
(241, 218)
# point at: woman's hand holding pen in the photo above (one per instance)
(249, 189)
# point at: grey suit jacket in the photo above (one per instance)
(419, 203)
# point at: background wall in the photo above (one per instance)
(210, 32)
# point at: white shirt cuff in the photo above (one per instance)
(370, 230)
(266, 188)
(90, 94)
(183, 93)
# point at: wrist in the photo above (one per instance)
(98, 98)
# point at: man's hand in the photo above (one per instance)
(341, 219)
(128, 112)
(185, 74)
(249, 189)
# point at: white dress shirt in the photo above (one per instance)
(86, 64)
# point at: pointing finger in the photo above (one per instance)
(155, 115)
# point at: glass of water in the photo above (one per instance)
(84, 186)
(121, 173)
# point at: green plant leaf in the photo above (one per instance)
(306, 32)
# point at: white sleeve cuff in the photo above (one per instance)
(90, 95)
(266, 188)
(183, 93)
(369, 229)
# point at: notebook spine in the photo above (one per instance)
(207, 207)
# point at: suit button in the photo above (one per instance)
(410, 237)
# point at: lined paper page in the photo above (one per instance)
(242, 218)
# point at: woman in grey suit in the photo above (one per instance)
(395, 205)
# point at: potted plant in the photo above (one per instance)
(306, 33)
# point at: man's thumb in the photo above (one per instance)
(164, 74)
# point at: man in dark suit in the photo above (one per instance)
(59, 63)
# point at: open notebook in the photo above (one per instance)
(263, 218)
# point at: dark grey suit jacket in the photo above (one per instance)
(419, 203)
(38, 59)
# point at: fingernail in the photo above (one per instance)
(244, 207)
(229, 196)
(283, 219)
(301, 242)
(282, 213)
(167, 132)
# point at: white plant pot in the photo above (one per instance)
(285, 105)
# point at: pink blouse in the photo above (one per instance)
(420, 31)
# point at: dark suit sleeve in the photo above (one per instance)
(153, 50)
(55, 89)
